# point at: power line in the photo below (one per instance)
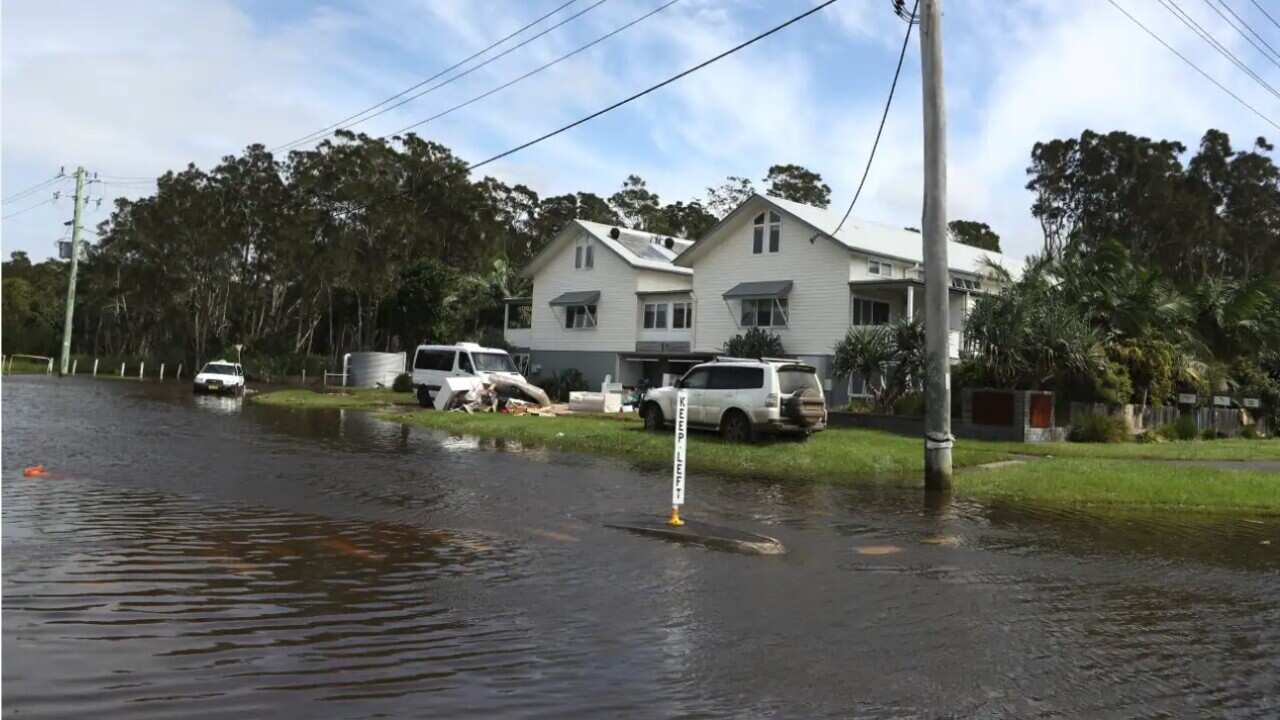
(635, 96)
(884, 116)
(1195, 67)
(538, 69)
(344, 126)
(1241, 32)
(1177, 11)
(28, 209)
(1264, 12)
(1245, 23)
(24, 193)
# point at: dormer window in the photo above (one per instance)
(766, 224)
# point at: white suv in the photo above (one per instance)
(220, 376)
(742, 398)
(433, 363)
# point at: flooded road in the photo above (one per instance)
(205, 557)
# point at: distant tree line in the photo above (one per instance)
(359, 243)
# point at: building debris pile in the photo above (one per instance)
(495, 394)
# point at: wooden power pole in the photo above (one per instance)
(937, 430)
(71, 281)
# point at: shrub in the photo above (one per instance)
(1099, 429)
(1250, 432)
(859, 405)
(559, 386)
(1209, 434)
(1149, 437)
(911, 404)
(403, 383)
(755, 343)
(1184, 428)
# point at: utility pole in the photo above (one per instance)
(71, 281)
(937, 434)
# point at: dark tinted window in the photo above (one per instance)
(696, 378)
(737, 378)
(792, 380)
(433, 360)
(464, 362)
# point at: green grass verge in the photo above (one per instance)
(1123, 483)
(349, 398)
(1079, 475)
(1225, 449)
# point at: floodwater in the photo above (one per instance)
(205, 557)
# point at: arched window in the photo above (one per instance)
(769, 223)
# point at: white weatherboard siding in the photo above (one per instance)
(819, 299)
(615, 329)
(648, 281)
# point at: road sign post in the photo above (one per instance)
(678, 465)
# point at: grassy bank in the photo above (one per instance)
(337, 398)
(1105, 476)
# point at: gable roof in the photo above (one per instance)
(636, 248)
(867, 237)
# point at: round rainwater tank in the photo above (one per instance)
(371, 369)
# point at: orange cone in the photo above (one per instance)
(34, 471)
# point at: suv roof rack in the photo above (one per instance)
(779, 360)
(730, 358)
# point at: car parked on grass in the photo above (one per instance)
(744, 398)
(219, 376)
(433, 363)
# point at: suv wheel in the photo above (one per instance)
(652, 415)
(424, 397)
(736, 427)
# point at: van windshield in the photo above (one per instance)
(219, 369)
(794, 379)
(493, 362)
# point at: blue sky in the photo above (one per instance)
(132, 88)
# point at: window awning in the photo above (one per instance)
(764, 289)
(580, 297)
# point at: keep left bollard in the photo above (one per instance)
(95, 367)
(141, 367)
(161, 372)
(74, 365)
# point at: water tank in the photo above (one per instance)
(371, 369)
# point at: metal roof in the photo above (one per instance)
(579, 297)
(767, 288)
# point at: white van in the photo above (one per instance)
(433, 363)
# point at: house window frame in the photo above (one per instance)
(778, 307)
(686, 315)
(766, 225)
(879, 268)
(853, 311)
(584, 254)
(654, 316)
(587, 314)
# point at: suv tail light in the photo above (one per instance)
(771, 400)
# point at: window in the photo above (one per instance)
(870, 312)
(762, 226)
(681, 315)
(795, 379)
(591, 256)
(964, 283)
(764, 312)
(584, 257)
(493, 362)
(464, 363)
(520, 317)
(433, 360)
(580, 317)
(696, 378)
(577, 257)
(655, 316)
(880, 267)
(736, 378)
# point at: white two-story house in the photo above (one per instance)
(773, 264)
(606, 301)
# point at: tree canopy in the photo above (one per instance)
(798, 184)
(976, 234)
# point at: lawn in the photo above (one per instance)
(336, 398)
(24, 366)
(1083, 475)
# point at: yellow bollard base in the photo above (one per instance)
(675, 520)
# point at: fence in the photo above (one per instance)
(1225, 421)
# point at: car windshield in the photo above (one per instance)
(219, 369)
(493, 362)
(795, 379)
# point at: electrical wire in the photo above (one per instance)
(1267, 14)
(28, 209)
(884, 116)
(614, 106)
(1177, 11)
(24, 193)
(538, 69)
(1241, 32)
(1195, 67)
(1249, 27)
(344, 125)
